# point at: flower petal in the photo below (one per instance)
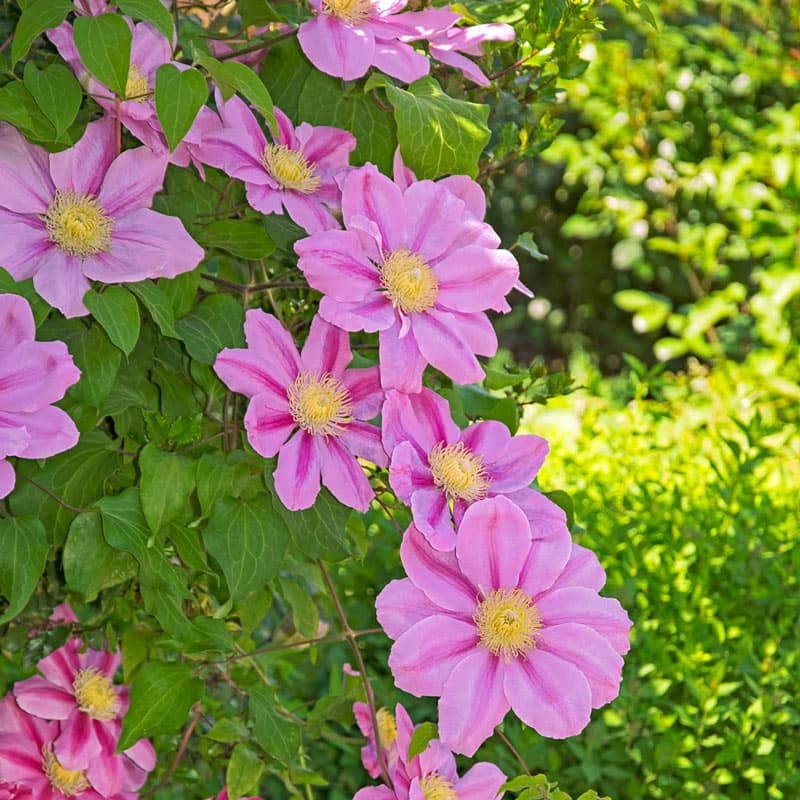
(374, 313)
(131, 181)
(481, 782)
(366, 395)
(400, 605)
(518, 466)
(59, 279)
(369, 194)
(423, 419)
(309, 212)
(582, 569)
(268, 424)
(81, 168)
(444, 348)
(327, 349)
(336, 48)
(408, 472)
(24, 174)
(43, 699)
(61, 665)
(475, 278)
(8, 478)
(77, 743)
(431, 513)
(343, 475)
(364, 441)
(40, 374)
(16, 322)
(248, 372)
(50, 431)
(400, 60)
(298, 473)
(271, 342)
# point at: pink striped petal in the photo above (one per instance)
(43, 699)
(431, 512)
(8, 478)
(77, 744)
(272, 343)
(408, 472)
(268, 424)
(39, 374)
(297, 476)
(364, 440)
(343, 475)
(368, 194)
(582, 569)
(61, 666)
(423, 419)
(81, 168)
(327, 349)
(366, 395)
(16, 322)
(336, 48)
(309, 212)
(481, 782)
(244, 370)
(400, 605)
(444, 348)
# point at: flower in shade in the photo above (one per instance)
(416, 266)
(307, 408)
(295, 172)
(33, 375)
(387, 734)
(448, 45)
(494, 625)
(434, 465)
(84, 213)
(346, 37)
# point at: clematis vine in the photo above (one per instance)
(494, 625)
(84, 213)
(307, 408)
(417, 267)
(33, 376)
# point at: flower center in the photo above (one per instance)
(96, 695)
(387, 727)
(137, 88)
(77, 224)
(507, 622)
(409, 282)
(459, 471)
(290, 168)
(319, 405)
(435, 787)
(67, 781)
(350, 11)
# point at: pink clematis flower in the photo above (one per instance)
(33, 375)
(346, 37)
(447, 46)
(389, 725)
(494, 626)
(84, 214)
(311, 400)
(416, 266)
(433, 463)
(295, 173)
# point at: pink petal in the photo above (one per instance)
(24, 174)
(364, 440)
(408, 472)
(400, 605)
(468, 191)
(309, 212)
(246, 371)
(403, 176)
(461, 63)
(437, 574)
(7, 478)
(20, 759)
(77, 743)
(477, 331)
(426, 205)
(143, 755)
(327, 147)
(550, 695)
(298, 473)
(368, 194)
(423, 657)
(375, 793)
(343, 475)
(271, 342)
(518, 466)
(131, 181)
(23, 243)
(481, 782)
(400, 61)
(236, 153)
(336, 48)
(475, 278)
(240, 123)
(582, 569)
(61, 665)
(106, 774)
(43, 699)
(327, 349)
(472, 702)
(423, 419)
(444, 348)
(493, 540)
(39, 375)
(268, 424)
(366, 395)
(50, 431)
(401, 361)
(105, 661)
(374, 313)
(431, 512)
(437, 758)
(60, 280)
(82, 167)
(489, 438)
(13, 436)
(16, 322)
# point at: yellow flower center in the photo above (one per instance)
(96, 695)
(290, 168)
(67, 781)
(350, 11)
(319, 405)
(137, 88)
(435, 787)
(507, 622)
(459, 471)
(409, 282)
(387, 727)
(78, 224)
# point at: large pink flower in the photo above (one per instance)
(448, 45)
(84, 213)
(33, 375)
(496, 625)
(433, 463)
(418, 267)
(312, 398)
(296, 172)
(346, 37)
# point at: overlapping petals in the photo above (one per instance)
(448, 46)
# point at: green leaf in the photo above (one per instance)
(167, 482)
(421, 737)
(284, 72)
(118, 312)
(57, 93)
(258, 13)
(180, 94)
(151, 11)
(37, 18)
(248, 539)
(477, 402)
(218, 322)
(18, 106)
(104, 45)
(90, 565)
(23, 552)
(244, 772)
(304, 610)
(157, 303)
(234, 475)
(98, 361)
(438, 134)
(161, 697)
(227, 730)
(278, 736)
(247, 240)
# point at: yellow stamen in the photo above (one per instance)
(435, 787)
(459, 471)
(67, 781)
(350, 11)
(77, 224)
(291, 169)
(319, 405)
(387, 727)
(507, 622)
(96, 695)
(409, 282)
(137, 88)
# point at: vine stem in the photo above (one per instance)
(7, 42)
(55, 497)
(513, 749)
(349, 634)
(187, 734)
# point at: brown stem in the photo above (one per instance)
(7, 42)
(181, 750)
(259, 46)
(244, 288)
(513, 66)
(118, 128)
(350, 636)
(73, 509)
(513, 749)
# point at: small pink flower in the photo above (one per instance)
(295, 173)
(33, 375)
(448, 45)
(346, 37)
(495, 625)
(84, 213)
(433, 463)
(416, 266)
(391, 727)
(62, 615)
(312, 398)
